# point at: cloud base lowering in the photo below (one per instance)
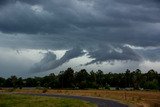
(108, 31)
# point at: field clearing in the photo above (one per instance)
(11, 100)
(139, 98)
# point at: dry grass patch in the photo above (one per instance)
(141, 98)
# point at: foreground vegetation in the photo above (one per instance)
(126, 85)
(138, 98)
(84, 80)
(10, 100)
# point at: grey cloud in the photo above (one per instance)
(111, 21)
(152, 55)
(112, 54)
(49, 62)
(140, 2)
(49, 56)
(57, 24)
(12, 63)
(32, 2)
(6, 2)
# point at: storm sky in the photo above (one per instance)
(38, 37)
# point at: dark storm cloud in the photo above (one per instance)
(140, 2)
(89, 24)
(150, 54)
(111, 20)
(6, 2)
(49, 61)
(111, 54)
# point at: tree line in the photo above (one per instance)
(69, 79)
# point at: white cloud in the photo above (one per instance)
(148, 65)
(37, 8)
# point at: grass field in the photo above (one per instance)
(11, 100)
(138, 98)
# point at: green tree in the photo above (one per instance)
(49, 81)
(136, 78)
(151, 85)
(2, 82)
(151, 75)
(66, 78)
(100, 79)
(128, 80)
(92, 80)
(81, 79)
(20, 82)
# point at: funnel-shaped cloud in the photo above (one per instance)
(49, 61)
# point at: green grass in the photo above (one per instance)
(10, 100)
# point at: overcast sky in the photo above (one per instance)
(38, 37)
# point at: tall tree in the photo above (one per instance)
(67, 78)
(136, 78)
(2, 82)
(81, 79)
